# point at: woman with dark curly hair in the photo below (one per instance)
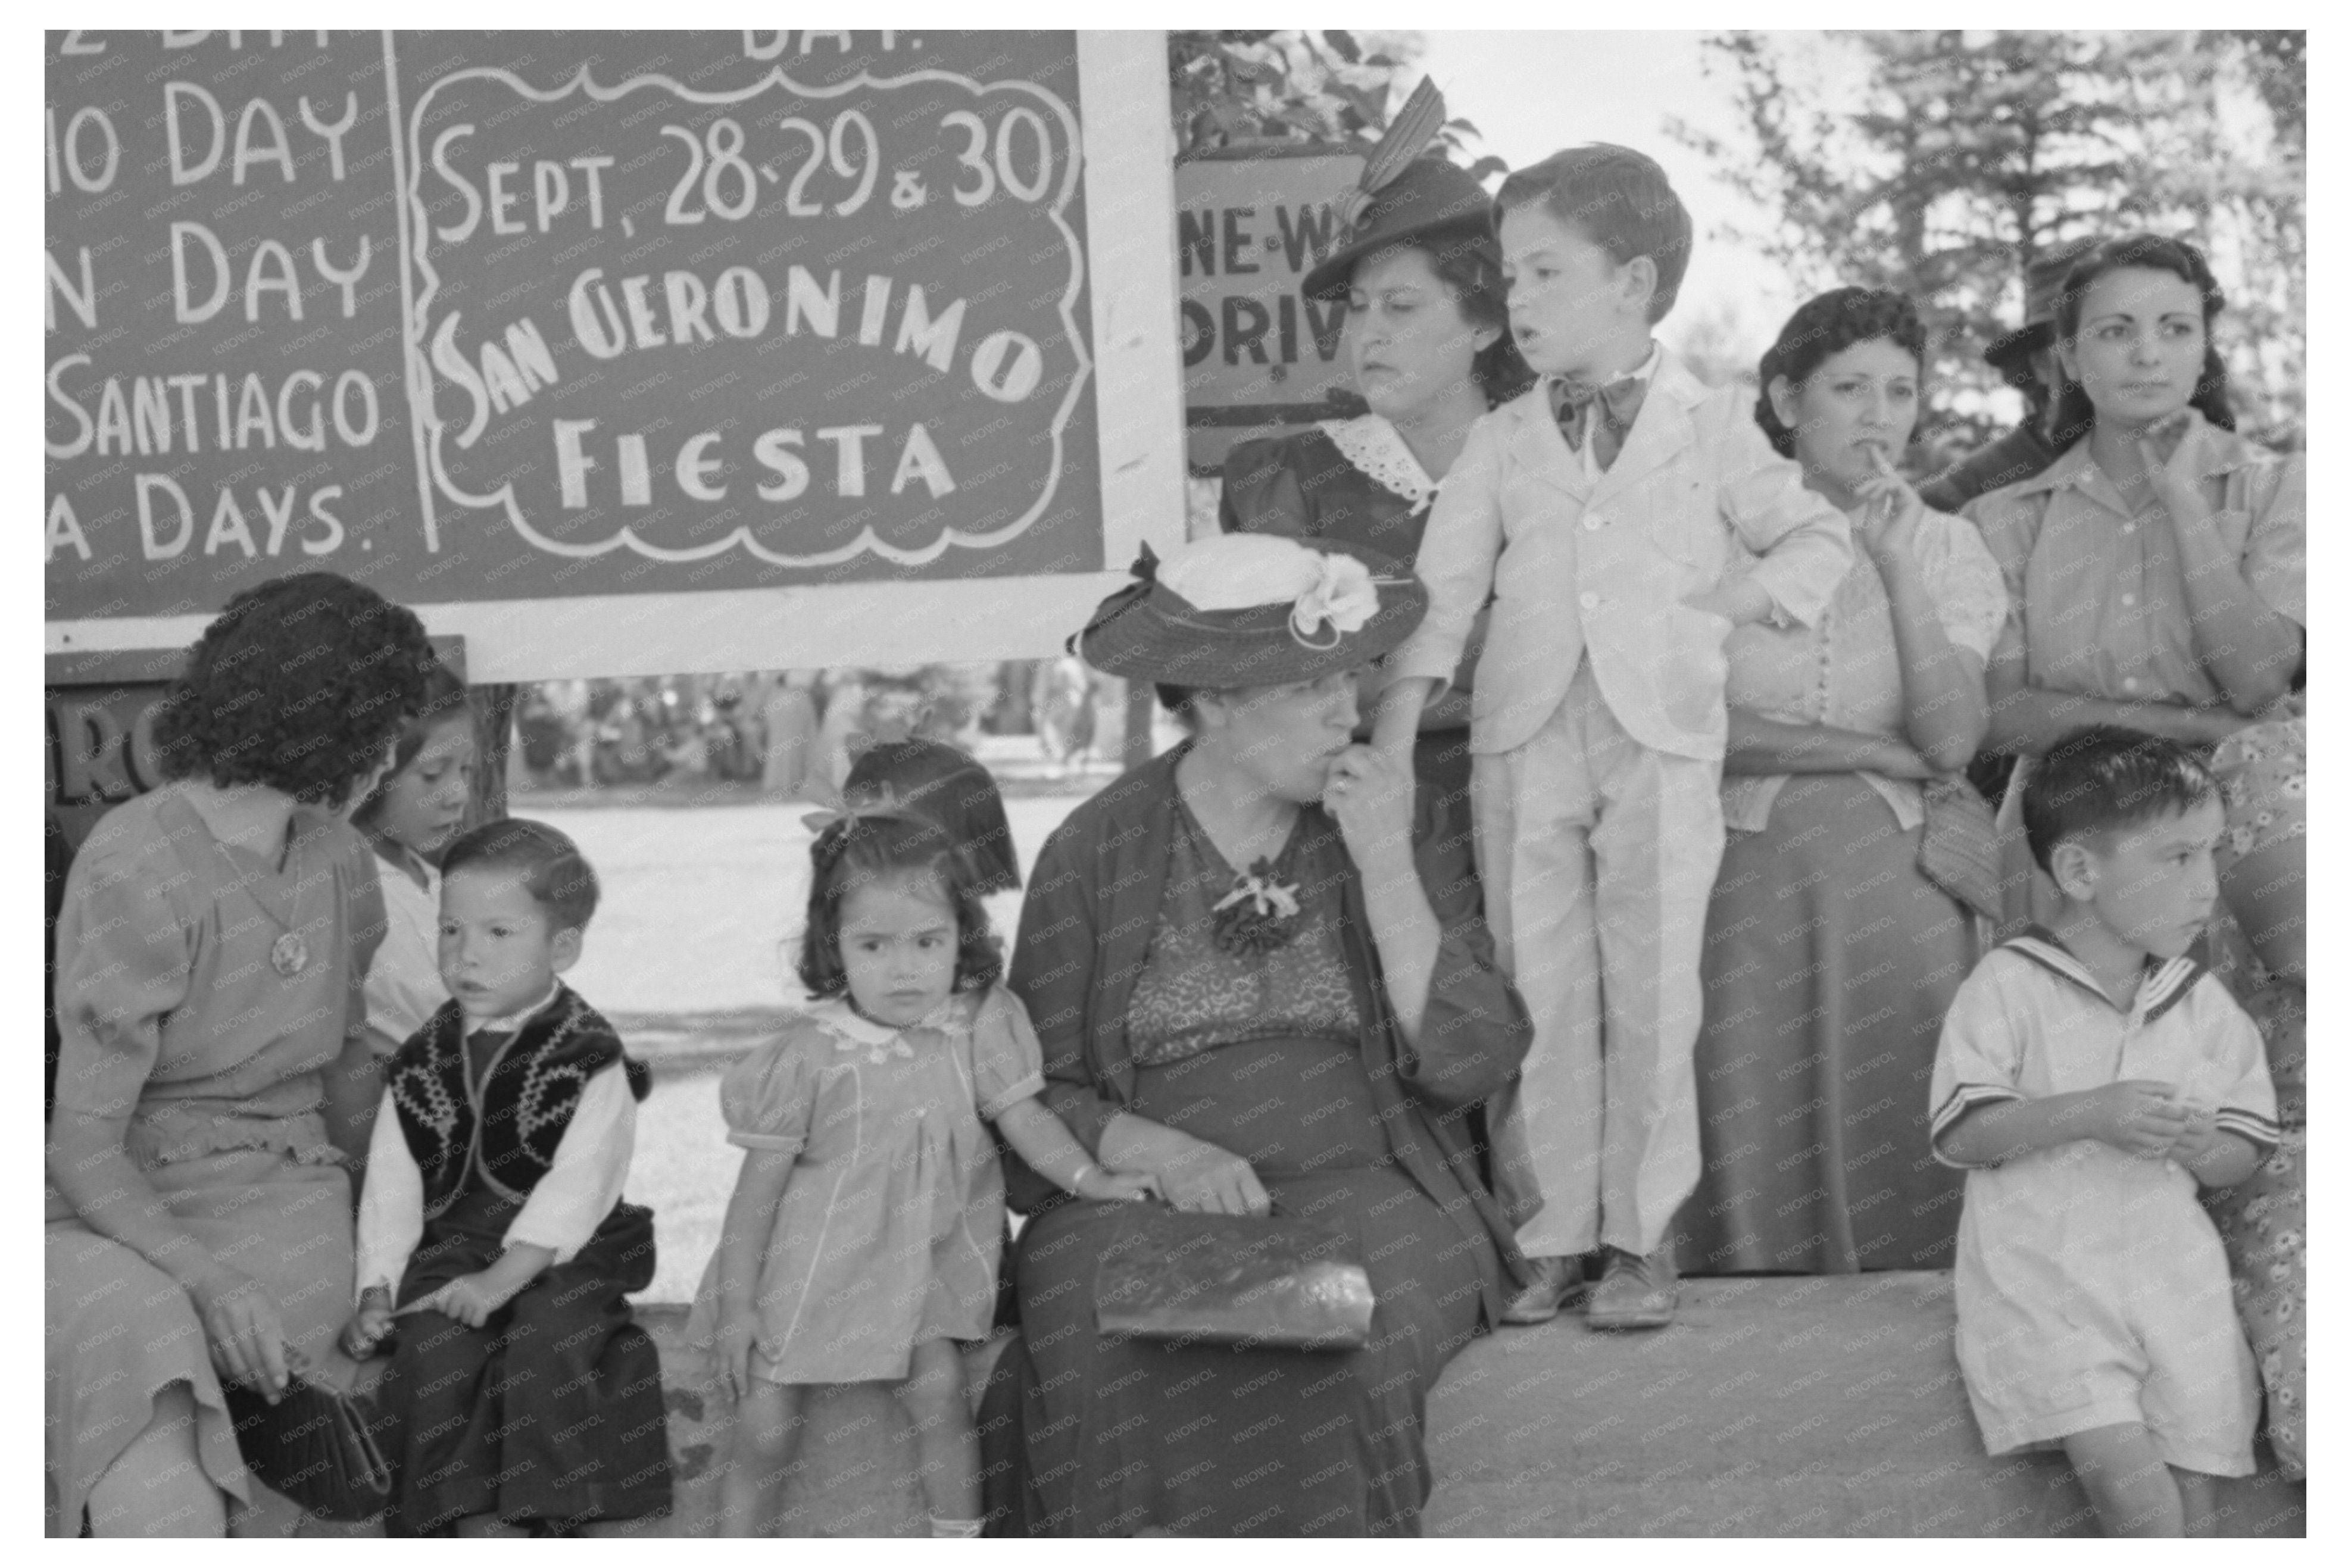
(1830, 956)
(215, 936)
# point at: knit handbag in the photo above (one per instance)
(1961, 854)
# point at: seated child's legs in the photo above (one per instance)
(444, 1453)
(767, 1429)
(947, 1448)
(2129, 1485)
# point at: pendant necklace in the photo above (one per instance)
(289, 953)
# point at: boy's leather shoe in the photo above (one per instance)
(1635, 1293)
(1555, 1281)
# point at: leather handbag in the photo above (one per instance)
(313, 1446)
(1960, 852)
(1225, 1279)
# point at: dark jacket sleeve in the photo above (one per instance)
(1475, 1031)
(2014, 457)
(1262, 494)
(1052, 974)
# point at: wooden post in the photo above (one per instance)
(493, 709)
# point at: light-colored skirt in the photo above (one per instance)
(119, 1330)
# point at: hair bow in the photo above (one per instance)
(887, 807)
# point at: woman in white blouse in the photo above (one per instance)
(412, 817)
(1829, 958)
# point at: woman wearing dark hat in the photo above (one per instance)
(1426, 340)
(2027, 357)
(1252, 983)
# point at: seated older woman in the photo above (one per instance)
(1253, 986)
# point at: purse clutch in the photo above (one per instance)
(314, 1445)
(1961, 854)
(1225, 1279)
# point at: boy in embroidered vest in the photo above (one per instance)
(522, 1397)
(2089, 1078)
(1598, 512)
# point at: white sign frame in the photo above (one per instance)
(1139, 417)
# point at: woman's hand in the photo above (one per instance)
(243, 1329)
(1890, 523)
(2171, 464)
(1368, 792)
(1193, 1175)
(1210, 1180)
(1119, 1186)
(738, 1332)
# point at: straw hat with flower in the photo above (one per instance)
(1235, 611)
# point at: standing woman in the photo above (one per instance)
(2156, 566)
(215, 936)
(408, 821)
(1829, 958)
(1425, 336)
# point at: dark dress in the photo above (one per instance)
(1291, 1059)
(1303, 487)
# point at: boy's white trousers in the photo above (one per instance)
(1598, 856)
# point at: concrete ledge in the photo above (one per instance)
(1826, 1406)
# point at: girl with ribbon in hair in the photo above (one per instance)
(864, 1232)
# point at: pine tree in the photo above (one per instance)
(1940, 163)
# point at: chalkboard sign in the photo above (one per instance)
(609, 351)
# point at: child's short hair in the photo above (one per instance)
(1619, 199)
(2105, 778)
(936, 780)
(552, 870)
(868, 846)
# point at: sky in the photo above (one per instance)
(1532, 93)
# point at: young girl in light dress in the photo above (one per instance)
(864, 1235)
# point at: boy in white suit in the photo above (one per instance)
(1598, 512)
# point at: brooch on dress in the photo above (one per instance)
(1259, 915)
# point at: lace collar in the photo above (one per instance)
(1371, 444)
(846, 1021)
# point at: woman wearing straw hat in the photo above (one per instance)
(1252, 985)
